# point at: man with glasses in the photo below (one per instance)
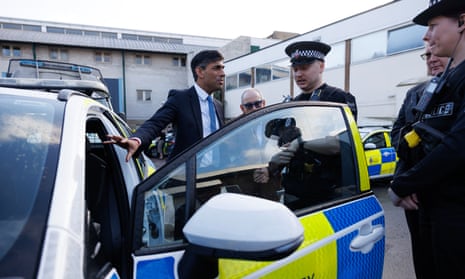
(251, 100)
(435, 65)
(308, 64)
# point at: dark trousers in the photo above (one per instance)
(441, 242)
(422, 262)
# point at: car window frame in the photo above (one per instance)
(188, 158)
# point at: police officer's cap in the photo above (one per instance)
(307, 51)
(440, 8)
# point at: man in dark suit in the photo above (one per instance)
(193, 112)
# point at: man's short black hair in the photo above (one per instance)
(203, 58)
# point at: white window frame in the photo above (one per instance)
(61, 54)
(144, 95)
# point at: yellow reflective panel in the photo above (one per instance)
(373, 157)
(314, 258)
(388, 168)
(360, 153)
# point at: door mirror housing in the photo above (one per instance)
(238, 226)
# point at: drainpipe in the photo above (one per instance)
(123, 63)
(34, 54)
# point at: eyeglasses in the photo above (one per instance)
(426, 56)
(256, 104)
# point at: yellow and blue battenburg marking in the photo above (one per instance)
(325, 252)
(381, 162)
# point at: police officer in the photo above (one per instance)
(406, 117)
(436, 182)
(312, 168)
(308, 64)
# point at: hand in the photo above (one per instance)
(131, 145)
(282, 158)
(409, 202)
(261, 175)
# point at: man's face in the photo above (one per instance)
(211, 78)
(308, 76)
(251, 102)
(434, 63)
(442, 35)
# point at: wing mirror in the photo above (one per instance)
(370, 146)
(238, 226)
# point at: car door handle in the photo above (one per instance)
(367, 237)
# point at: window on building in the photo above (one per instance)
(405, 38)
(262, 73)
(129, 37)
(102, 57)
(231, 82)
(280, 69)
(336, 57)
(179, 62)
(245, 79)
(11, 51)
(236, 80)
(143, 59)
(91, 33)
(74, 31)
(109, 35)
(51, 29)
(145, 38)
(144, 95)
(58, 54)
(369, 46)
(28, 27)
(11, 26)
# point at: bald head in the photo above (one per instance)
(251, 99)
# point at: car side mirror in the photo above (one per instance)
(370, 146)
(238, 226)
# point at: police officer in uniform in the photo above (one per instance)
(308, 64)
(312, 168)
(406, 117)
(435, 147)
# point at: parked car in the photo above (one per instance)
(73, 208)
(54, 76)
(168, 145)
(381, 156)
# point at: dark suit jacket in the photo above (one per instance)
(182, 108)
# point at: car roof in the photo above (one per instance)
(53, 76)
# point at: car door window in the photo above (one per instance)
(234, 162)
(106, 196)
(231, 162)
(377, 139)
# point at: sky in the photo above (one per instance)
(210, 18)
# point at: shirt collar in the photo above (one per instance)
(203, 95)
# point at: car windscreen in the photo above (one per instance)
(30, 132)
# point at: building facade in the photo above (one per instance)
(138, 67)
(375, 55)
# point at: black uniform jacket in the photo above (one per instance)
(331, 94)
(440, 174)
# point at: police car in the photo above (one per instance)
(380, 155)
(71, 207)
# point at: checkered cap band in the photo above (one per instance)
(307, 54)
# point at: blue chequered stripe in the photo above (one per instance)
(354, 264)
(391, 157)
